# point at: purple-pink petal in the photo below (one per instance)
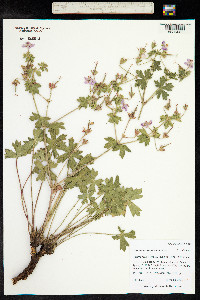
(189, 63)
(89, 80)
(124, 105)
(146, 124)
(28, 45)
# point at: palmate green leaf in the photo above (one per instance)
(122, 237)
(147, 74)
(38, 135)
(88, 159)
(90, 101)
(114, 118)
(123, 241)
(54, 145)
(118, 99)
(116, 86)
(122, 149)
(143, 78)
(122, 60)
(130, 235)
(143, 137)
(112, 143)
(41, 121)
(83, 102)
(54, 129)
(183, 73)
(101, 87)
(34, 117)
(20, 149)
(87, 197)
(93, 208)
(40, 169)
(28, 57)
(91, 189)
(10, 154)
(141, 82)
(113, 202)
(163, 87)
(38, 73)
(133, 194)
(162, 93)
(71, 154)
(177, 117)
(170, 75)
(135, 210)
(71, 163)
(68, 151)
(43, 66)
(155, 66)
(155, 133)
(168, 86)
(81, 179)
(167, 121)
(41, 154)
(32, 86)
(43, 170)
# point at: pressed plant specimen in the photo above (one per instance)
(58, 162)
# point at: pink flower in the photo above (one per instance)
(146, 124)
(52, 85)
(89, 80)
(189, 63)
(164, 46)
(28, 45)
(124, 106)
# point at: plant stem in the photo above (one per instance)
(37, 199)
(35, 104)
(66, 114)
(66, 216)
(47, 100)
(32, 191)
(128, 142)
(143, 103)
(151, 97)
(45, 145)
(50, 212)
(94, 233)
(22, 197)
(75, 149)
(125, 130)
(77, 214)
(140, 111)
(29, 269)
(127, 71)
(115, 131)
(77, 171)
(26, 181)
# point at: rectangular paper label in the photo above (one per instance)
(162, 266)
(102, 7)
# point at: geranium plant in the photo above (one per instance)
(58, 162)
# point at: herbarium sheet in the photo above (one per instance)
(98, 150)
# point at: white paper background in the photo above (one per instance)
(94, 264)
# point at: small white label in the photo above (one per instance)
(162, 266)
(102, 7)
